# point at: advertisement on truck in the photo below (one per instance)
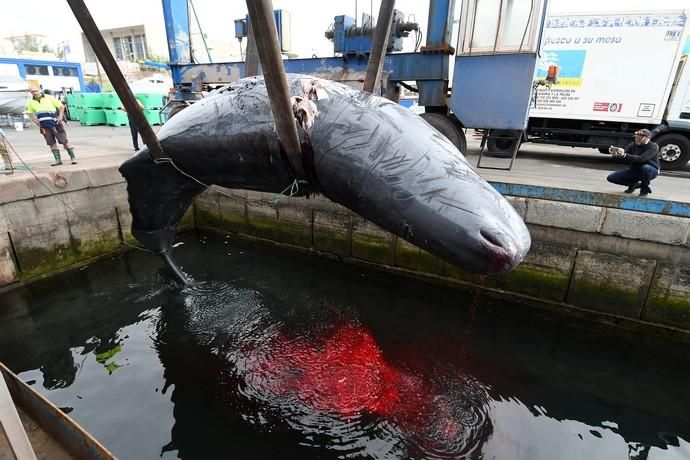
(610, 67)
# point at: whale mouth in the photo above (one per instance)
(503, 251)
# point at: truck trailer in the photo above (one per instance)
(601, 77)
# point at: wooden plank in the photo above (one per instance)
(72, 437)
(379, 45)
(44, 445)
(251, 58)
(266, 36)
(12, 425)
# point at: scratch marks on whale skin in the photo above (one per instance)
(350, 137)
(364, 138)
(433, 193)
(380, 109)
(450, 202)
(356, 132)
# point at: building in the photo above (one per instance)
(31, 44)
(130, 44)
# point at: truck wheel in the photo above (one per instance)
(501, 143)
(449, 126)
(674, 151)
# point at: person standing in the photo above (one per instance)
(643, 156)
(47, 113)
(132, 127)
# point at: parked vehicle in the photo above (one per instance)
(601, 77)
(14, 92)
(52, 75)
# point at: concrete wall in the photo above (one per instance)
(67, 218)
(600, 258)
(607, 260)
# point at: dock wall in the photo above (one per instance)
(620, 256)
(610, 255)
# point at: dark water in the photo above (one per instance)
(274, 354)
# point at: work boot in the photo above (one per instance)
(645, 191)
(632, 188)
(71, 155)
(58, 160)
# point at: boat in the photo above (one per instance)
(14, 91)
(156, 84)
(32, 427)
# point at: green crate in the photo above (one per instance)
(153, 117)
(92, 100)
(75, 113)
(92, 117)
(74, 99)
(151, 100)
(111, 101)
(116, 118)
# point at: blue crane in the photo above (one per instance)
(493, 66)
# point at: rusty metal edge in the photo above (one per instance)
(62, 428)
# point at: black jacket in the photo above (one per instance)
(643, 154)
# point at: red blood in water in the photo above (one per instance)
(345, 373)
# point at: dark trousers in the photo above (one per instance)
(634, 174)
(135, 134)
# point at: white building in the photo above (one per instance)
(133, 43)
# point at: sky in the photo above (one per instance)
(309, 19)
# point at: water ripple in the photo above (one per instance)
(457, 421)
(331, 382)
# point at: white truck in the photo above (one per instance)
(601, 77)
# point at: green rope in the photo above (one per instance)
(293, 188)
